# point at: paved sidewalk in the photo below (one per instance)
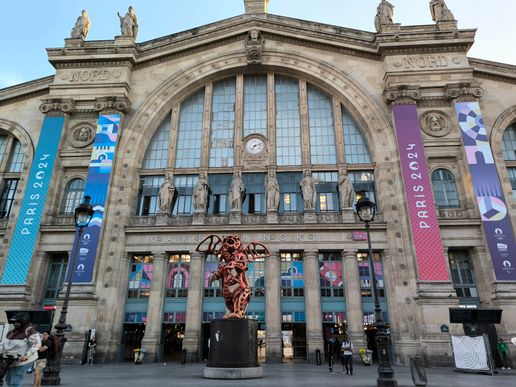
(275, 375)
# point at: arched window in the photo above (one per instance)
(157, 153)
(509, 155)
(355, 145)
(11, 166)
(445, 190)
(322, 131)
(73, 196)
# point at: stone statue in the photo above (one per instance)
(233, 263)
(308, 191)
(81, 27)
(200, 194)
(435, 122)
(440, 11)
(166, 195)
(272, 191)
(384, 14)
(129, 23)
(346, 191)
(236, 192)
(254, 46)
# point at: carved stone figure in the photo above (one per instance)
(233, 263)
(435, 122)
(272, 191)
(440, 11)
(82, 26)
(166, 195)
(346, 191)
(83, 134)
(129, 23)
(384, 14)
(308, 191)
(200, 194)
(236, 192)
(254, 46)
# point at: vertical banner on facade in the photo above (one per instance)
(495, 218)
(431, 262)
(97, 183)
(33, 203)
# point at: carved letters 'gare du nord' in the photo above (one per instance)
(265, 127)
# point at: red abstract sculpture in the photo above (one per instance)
(233, 263)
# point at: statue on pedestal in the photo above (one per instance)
(81, 27)
(440, 11)
(166, 195)
(272, 191)
(346, 191)
(200, 194)
(233, 263)
(308, 191)
(384, 15)
(236, 192)
(129, 23)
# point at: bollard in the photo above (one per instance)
(183, 356)
(318, 356)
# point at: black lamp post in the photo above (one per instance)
(83, 214)
(366, 210)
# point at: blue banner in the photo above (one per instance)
(97, 183)
(33, 203)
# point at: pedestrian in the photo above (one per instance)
(501, 346)
(92, 345)
(41, 363)
(22, 342)
(332, 348)
(347, 356)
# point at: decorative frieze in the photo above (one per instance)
(116, 104)
(254, 46)
(81, 135)
(435, 123)
(57, 106)
(464, 91)
(402, 94)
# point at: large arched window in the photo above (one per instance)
(11, 166)
(73, 196)
(445, 190)
(157, 152)
(509, 155)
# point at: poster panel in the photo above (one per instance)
(470, 353)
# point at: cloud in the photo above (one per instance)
(10, 78)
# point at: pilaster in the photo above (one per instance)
(273, 308)
(192, 340)
(314, 338)
(354, 311)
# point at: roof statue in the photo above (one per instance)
(440, 11)
(384, 15)
(129, 23)
(256, 6)
(81, 27)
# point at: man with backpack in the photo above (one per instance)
(22, 344)
(347, 356)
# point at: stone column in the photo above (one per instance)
(354, 312)
(273, 308)
(152, 339)
(192, 338)
(314, 338)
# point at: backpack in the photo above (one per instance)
(56, 346)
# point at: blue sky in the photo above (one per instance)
(28, 27)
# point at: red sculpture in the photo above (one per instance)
(233, 260)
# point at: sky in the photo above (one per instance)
(28, 27)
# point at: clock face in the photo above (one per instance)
(254, 145)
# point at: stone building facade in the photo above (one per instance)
(260, 95)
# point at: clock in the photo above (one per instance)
(254, 146)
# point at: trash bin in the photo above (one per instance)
(318, 356)
(418, 371)
(183, 356)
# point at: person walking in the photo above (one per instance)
(41, 363)
(332, 348)
(501, 346)
(23, 343)
(92, 345)
(347, 356)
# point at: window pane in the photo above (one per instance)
(3, 145)
(330, 274)
(211, 289)
(178, 275)
(254, 201)
(512, 178)
(322, 132)
(363, 181)
(445, 190)
(509, 143)
(255, 105)
(148, 195)
(73, 196)
(326, 186)
(292, 275)
(184, 189)
(157, 152)
(16, 162)
(140, 277)
(288, 122)
(189, 139)
(223, 123)
(290, 192)
(7, 197)
(355, 145)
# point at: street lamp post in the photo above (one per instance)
(366, 210)
(82, 215)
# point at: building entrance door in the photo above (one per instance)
(132, 339)
(172, 336)
(293, 341)
(261, 346)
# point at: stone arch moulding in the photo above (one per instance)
(375, 121)
(22, 135)
(504, 120)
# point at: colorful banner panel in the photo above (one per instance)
(97, 183)
(431, 261)
(33, 203)
(495, 219)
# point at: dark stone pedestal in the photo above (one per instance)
(233, 350)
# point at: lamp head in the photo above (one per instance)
(366, 209)
(83, 213)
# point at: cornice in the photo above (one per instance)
(493, 70)
(26, 90)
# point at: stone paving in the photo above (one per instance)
(275, 375)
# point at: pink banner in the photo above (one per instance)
(431, 261)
